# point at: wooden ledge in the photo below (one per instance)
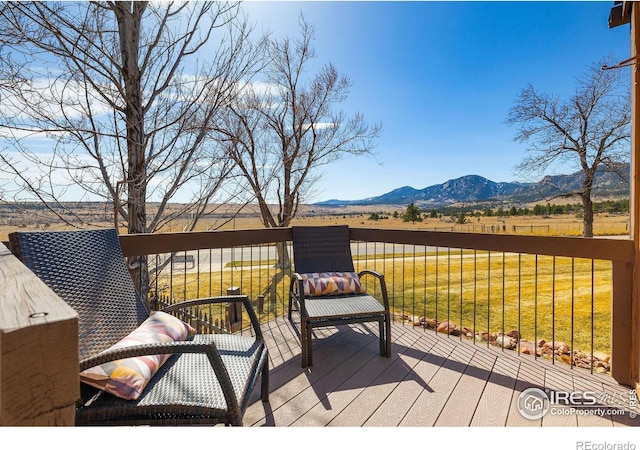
(38, 350)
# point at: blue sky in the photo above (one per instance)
(440, 77)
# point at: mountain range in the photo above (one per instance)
(476, 189)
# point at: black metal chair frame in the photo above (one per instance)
(328, 249)
(208, 379)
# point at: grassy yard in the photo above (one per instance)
(542, 297)
(358, 216)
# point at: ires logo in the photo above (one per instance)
(586, 398)
(534, 403)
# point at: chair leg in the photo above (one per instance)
(383, 339)
(309, 347)
(265, 382)
(303, 341)
(388, 334)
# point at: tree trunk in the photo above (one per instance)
(587, 218)
(284, 260)
(129, 16)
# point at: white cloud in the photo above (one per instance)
(323, 125)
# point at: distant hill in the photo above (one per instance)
(477, 189)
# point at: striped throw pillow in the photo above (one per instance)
(331, 283)
(127, 378)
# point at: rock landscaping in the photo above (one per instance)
(511, 340)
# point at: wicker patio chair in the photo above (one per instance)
(208, 379)
(326, 251)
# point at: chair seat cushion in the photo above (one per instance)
(127, 378)
(344, 307)
(331, 283)
(187, 384)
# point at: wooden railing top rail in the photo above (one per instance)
(146, 244)
(594, 248)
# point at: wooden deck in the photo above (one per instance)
(430, 380)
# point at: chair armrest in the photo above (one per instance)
(296, 281)
(383, 285)
(217, 300)
(296, 291)
(209, 349)
(370, 272)
(156, 348)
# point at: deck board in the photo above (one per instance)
(492, 409)
(289, 380)
(584, 385)
(557, 381)
(467, 393)
(393, 411)
(365, 404)
(347, 383)
(430, 404)
(310, 386)
(430, 379)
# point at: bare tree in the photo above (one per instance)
(589, 129)
(117, 88)
(281, 131)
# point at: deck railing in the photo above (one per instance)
(567, 299)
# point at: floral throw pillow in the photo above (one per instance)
(127, 378)
(331, 283)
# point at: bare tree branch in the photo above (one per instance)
(279, 136)
(117, 88)
(123, 98)
(590, 130)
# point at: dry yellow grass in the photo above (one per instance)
(548, 298)
(358, 216)
(542, 297)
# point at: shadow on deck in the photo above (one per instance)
(430, 380)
